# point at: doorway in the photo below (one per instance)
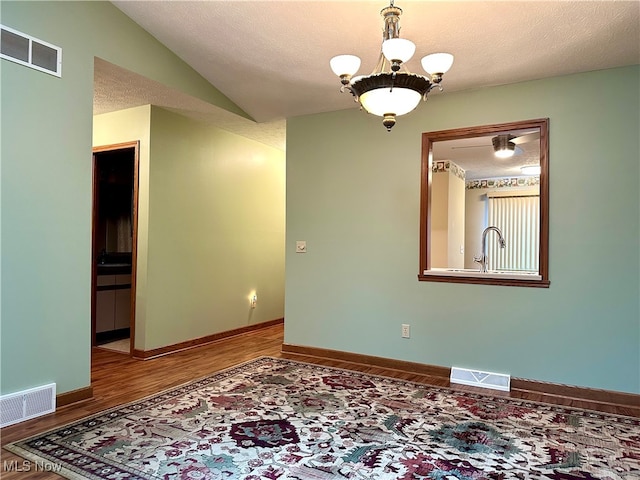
(114, 236)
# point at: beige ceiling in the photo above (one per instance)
(115, 88)
(271, 57)
(476, 156)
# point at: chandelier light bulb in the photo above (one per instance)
(345, 65)
(398, 49)
(504, 153)
(437, 63)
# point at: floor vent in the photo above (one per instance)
(26, 50)
(476, 378)
(21, 406)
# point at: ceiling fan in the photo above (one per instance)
(505, 145)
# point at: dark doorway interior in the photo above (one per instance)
(114, 223)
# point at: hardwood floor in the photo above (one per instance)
(118, 379)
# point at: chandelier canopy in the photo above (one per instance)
(391, 90)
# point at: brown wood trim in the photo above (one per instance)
(74, 396)
(551, 392)
(543, 261)
(134, 248)
(609, 397)
(425, 200)
(115, 146)
(506, 282)
(404, 366)
(94, 268)
(198, 342)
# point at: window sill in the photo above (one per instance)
(514, 279)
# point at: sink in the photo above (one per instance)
(114, 260)
(114, 268)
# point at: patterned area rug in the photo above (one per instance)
(275, 419)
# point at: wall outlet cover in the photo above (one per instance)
(406, 330)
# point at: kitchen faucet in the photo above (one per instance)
(483, 259)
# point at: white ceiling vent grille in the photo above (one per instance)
(31, 403)
(476, 378)
(26, 50)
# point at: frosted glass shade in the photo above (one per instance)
(398, 49)
(437, 63)
(344, 64)
(398, 101)
(505, 152)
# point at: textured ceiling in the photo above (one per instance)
(116, 88)
(476, 156)
(271, 57)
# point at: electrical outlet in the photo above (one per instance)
(301, 246)
(406, 330)
(254, 301)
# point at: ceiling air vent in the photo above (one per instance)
(29, 51)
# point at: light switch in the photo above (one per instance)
(301, 246)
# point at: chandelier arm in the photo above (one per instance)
(379, 68)
(345, 88)
(428, 90)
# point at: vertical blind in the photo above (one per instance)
(519, 220)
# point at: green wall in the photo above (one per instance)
(210, 227)
(353, 194)
(216, 231)
(133, 125)
(46, 182)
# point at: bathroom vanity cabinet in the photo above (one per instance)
(113, 302)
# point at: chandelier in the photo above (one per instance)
(391, 90)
